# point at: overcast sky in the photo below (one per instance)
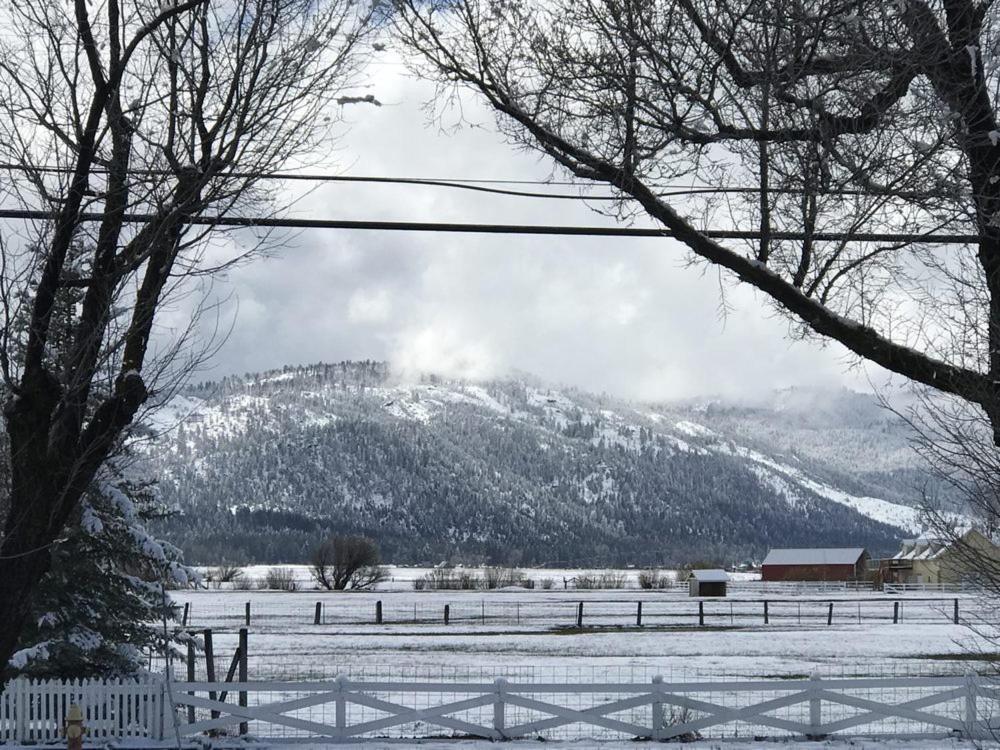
(619, 315)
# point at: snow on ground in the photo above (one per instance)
(856, 743)
(852, 744)
(901, 516)
(533, 631)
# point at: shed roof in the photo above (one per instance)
(817, 556)
(710, 575)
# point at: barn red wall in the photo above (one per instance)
(808, 572)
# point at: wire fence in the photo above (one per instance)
(568, 612)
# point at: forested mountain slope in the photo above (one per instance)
(515, 471)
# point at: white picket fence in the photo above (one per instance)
(342, 709)
(33, 711)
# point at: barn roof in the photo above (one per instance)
(817, 556)
(710, 575)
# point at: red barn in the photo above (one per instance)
(829, 564)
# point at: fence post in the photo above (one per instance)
(579, 615)
(895, 613)
(447, 613)
(971, 730)
(658, 723)
(21, 710)
(766, 618)
(242, 698)
(638, 615)
(248, 614)
(190, 675)
(815, 707)
(701, 613)
(378, 612)
(341, 707)
(829, 615)
(319, 613)
(187, 611)
(499, 717)
(956, 612)
(210, 666)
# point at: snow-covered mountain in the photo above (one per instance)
(515, 470)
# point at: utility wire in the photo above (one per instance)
(536, 229)
(472, 184)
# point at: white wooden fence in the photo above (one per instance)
(950, 588)
(33, 711)
(342, 710)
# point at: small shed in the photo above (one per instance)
(707, 582)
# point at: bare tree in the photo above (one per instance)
(802, 128)
(347, 562)
(124, 123)
(954, 440)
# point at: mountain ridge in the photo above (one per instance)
(512, 470)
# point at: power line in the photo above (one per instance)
(526, 229)
(475, 185)
(480, 185)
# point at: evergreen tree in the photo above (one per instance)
(99, 611)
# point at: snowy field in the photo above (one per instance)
(401, 578)
(533, 634)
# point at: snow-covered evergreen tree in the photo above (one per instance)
(99, 611)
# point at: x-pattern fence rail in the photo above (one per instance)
(343, 709)
(907, 707)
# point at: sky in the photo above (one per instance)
(625, 316)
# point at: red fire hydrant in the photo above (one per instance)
(73, 728)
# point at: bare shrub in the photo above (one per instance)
(244, 583)
(225, 573)
(654, 578)
(547, 583)
(495, 577)
(347, 562)
(280, 579)
(611, 579)
(442, 579)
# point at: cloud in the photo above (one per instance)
(621, 315)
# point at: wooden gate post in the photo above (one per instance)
(971, 717)
(378, 612)
(210, 666)
(244, 644)
(701, 613)
(190, 676)
(319, 613)
(895, 613)
(579, 615)
(815, 707)
(447, 613)
(341, 708)
(499, 710)
(638, 614)
(658, 723)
